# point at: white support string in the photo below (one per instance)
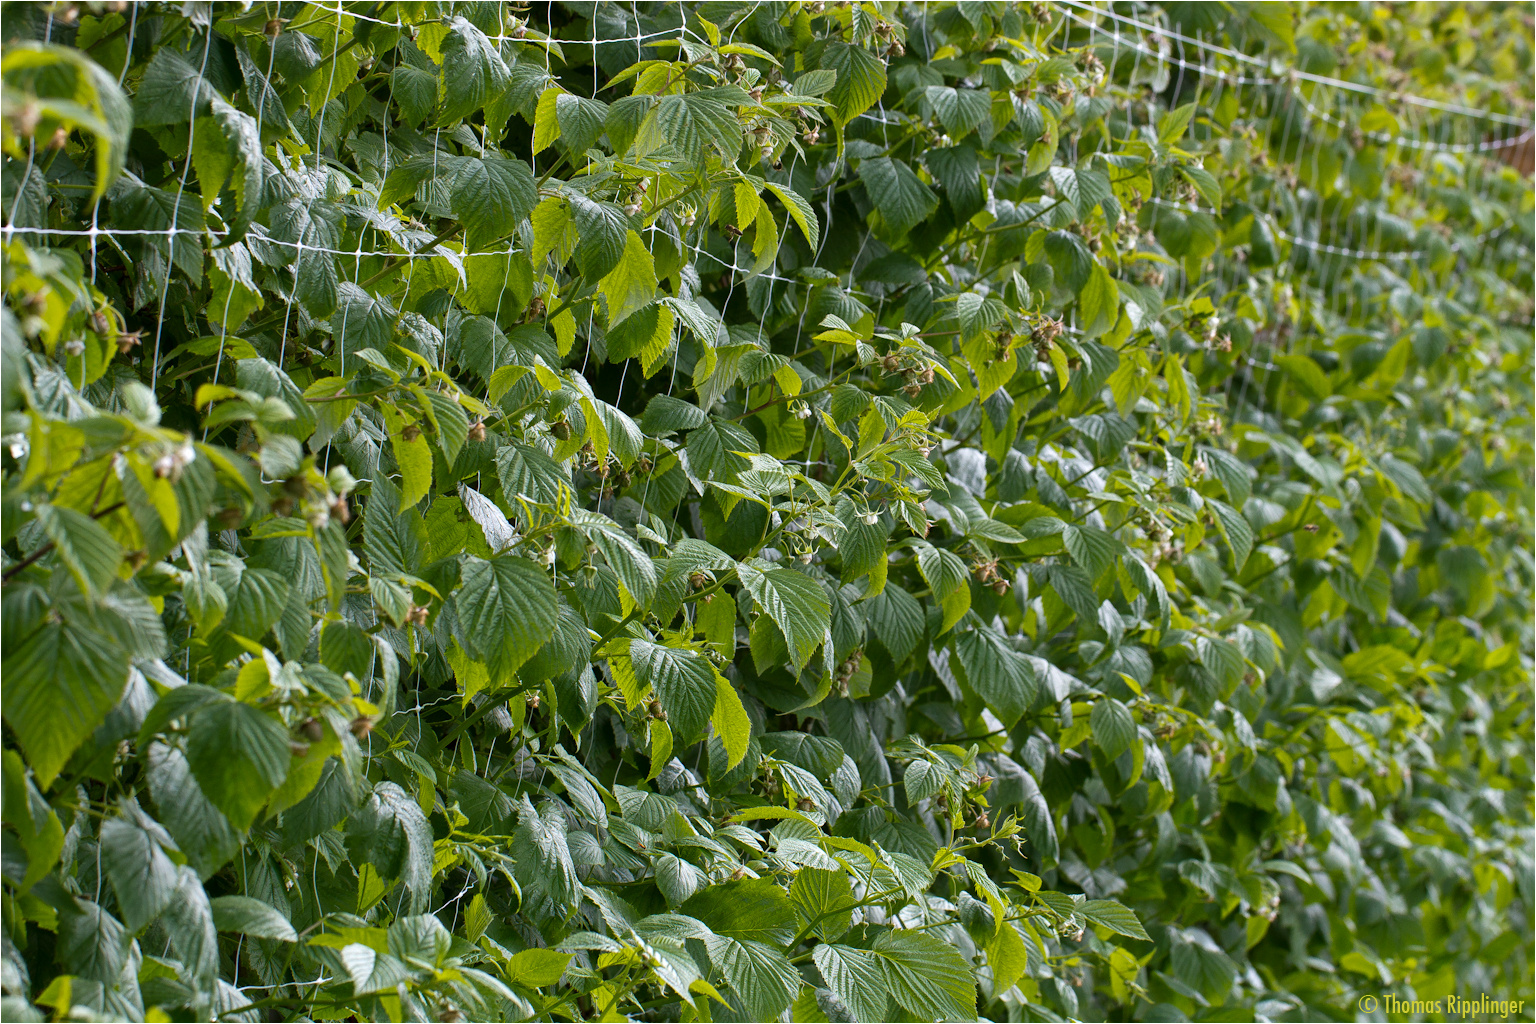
(1309, 238)
(1385, 95)
(1292, 78)
(1314, 221)
(181, 191)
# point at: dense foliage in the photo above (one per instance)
(727, 511)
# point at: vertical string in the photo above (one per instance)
(133, 21)
(218, 364)
(181, 189)
(26, 173)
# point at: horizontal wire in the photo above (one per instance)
(1385, 94)
(438, 251)
(1361, 254)
(1210, 72)
(594, 43)
(441, 252)
(1436, 147)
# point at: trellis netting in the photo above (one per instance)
(778, 511)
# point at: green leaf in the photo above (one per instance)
(1008, 957)
(684, 682)
(825, 900)
(926, 976)
(413, 83)
(451, 421)
(959, 171)
(996, 672)
(1091, 548)
(895, 621)
(1235, 528)
(490, 196)
(944, 571)
(1170, 126)
(1099, 301)
(631, 284)
(977, 314)
(713, 450)
(922, 779)
(581, 120)
(800, 211)
(1223, 658)
(82, 94)
(1307, 374)
(1075, 588)
(603, 235)
(1070, 259)
(1114, 728)
(860, 80)
(61, 676)
(362, 320)
(413, 457)
(390, 832)
(814, 83)
(308, 227)
(527, 472)
(567, 650)
(92, 944)
(251, 917)
(730, 717)
(646, 334)
(242, 141)
(143, 875)
(749, 909)
(856, 977)
(1232, 471)
(37, 825)
(900, 196)
(346, 648)
(862, 547)
(796, 604)
(960, 110)
(697, 122)
(189, 923)
(1117, 917)
(83, 545)
(328, 803)
(761, 978)
(200, 829)
(171, 91)
(819, 755)
(1205, 183)
(546, 122)
(543, 860)
(473, 72)
(536, 968)
(1199, 962)
(238, 755)
(506, 611)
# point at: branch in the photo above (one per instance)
(40, 552)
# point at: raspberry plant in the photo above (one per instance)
(724, 511)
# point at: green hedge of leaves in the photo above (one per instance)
(722, 511)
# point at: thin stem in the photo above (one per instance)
(40, 552)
